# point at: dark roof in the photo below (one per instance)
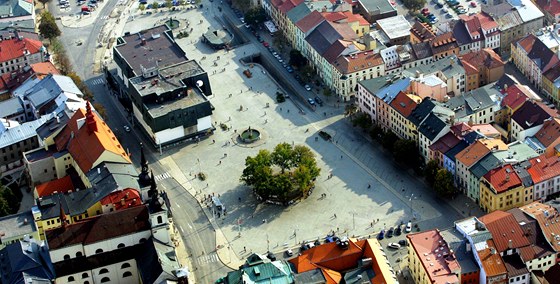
(455, 150)
(326, 34)
(314, 276)
(160, 49)
(376, 7)
(537, 51)
(532, 114)
(472, 136)
(422, 50)
(298, 12)
(461, 34)
(113, 176)
(483, 166)
(514, 265)
(471, 102)
(421, 111)
(101, 227)
(539, 245)
(432, 126)
(25, 260)
(52, 125)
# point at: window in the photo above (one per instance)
(85, 275)
(125, 265)
(121, 245)
(105, 279)
(66, 257)
(159, 220)
(127, 274)
(71, 279)
(98, 251)
(103, 271)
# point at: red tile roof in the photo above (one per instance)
(550, 6)
(472, 154)
(87, 143)
(491, 262)
(461, 129)
(549, 132)
(44, 68)
(516, 96)
(358, 61)
(356, 18)
(485, 57)
(14, 48)
(478, 23)
(445, 143)
(100, 228)
(548, 219)
(506, 232)
(422, 31)
(503, 178)
(122, 199)
(535, 49)
(289, 5)
(403, 104)
(62, 185)
(310, 21)
(436, 257)
(543, 168)
(553, 73)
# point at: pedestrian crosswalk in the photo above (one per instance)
(105, 17)
(97, 81)
(209, 258)
(162, 176)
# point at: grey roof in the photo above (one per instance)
(517, 152)
(377, 6)
(113, 176)
(24, 25)
(15, 8)
(471, 137)
(521, 170)
(17, 225)
(470, 103)
(53, 125)
(449, 66)
(486, 164)
(386, 88)
(26, 262)
(395, 27)
(314, 276)
(10, 107)
(422, 50)
(461, 34)
(455, 150)
(322, 37)
(458, 244)
(298, 12)
(432, 126)
(49, 88)
(160, 49)
(21, 132)
(422, 111)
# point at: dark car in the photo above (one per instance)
(381, 235)
(319, 101)
(390, 232)
(402, 243)
(271, 256)
(398, 231)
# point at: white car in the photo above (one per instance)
(126, 128)
(289, 252)
(408, 228)
(394, 246)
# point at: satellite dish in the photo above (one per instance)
(199, 83)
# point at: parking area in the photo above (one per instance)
(446, 10)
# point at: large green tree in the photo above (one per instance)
(443, 184)
(286, 173)
(242, 5)
(47, 26)
(297, 59)
(10, 199)
(414, 5)
(255, 16)
(406, 152)
(389, 139)
(431, 171)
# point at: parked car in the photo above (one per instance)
(439, 5)
(290, 69)
(402, 242)
(398, 231)
(307, 87)
(394, 246)
(289, 252)
(265, 44)
(390, 232)
(271, 256)
(319, 101)
(311, 101)
(408, 228)
(381, 235)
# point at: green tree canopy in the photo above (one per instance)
(297, 59)
(406, 152)
(286, 173)
(414, 5)
(389, 139)
(155, 5)
(430, 171)
(242, 5)
(255, 16)
(443, 184)
(47, 26)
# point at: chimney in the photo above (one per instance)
(510, 244)
(90, 120)
(143, 41)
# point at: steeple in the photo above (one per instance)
(153, 193)
(144, 175)
(90, 120)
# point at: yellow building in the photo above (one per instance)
(503, 189)
(401, 107)
(424, 249)
(551, 83)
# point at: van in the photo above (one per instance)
(408, 228)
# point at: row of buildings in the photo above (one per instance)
(518, 246)
(351, 41)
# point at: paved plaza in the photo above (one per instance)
(366, 188)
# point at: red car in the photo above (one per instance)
(473, 4)
(425, 11)
(265, 44)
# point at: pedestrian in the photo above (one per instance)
(220, 162)
(244, 249)
(341, 156)
(369, 186)
(265, 113)
(213, 141)
(335, 215)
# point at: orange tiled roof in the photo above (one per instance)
(61, 185)
(503, 178)
(516, 96)
(548, 218)
(437, 258)
(422, 31)
(491, 261)
(472, 154)
(543, 168)
(89, 141)
(356, 62)
(44, 68)
(334, 16)
(486, 129)
(122, 199)
(504, 228)
(484, 57)
(549, 132)
(356, 18)
(403, 104)
(15, 48)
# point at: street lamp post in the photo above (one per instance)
(410, 199)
